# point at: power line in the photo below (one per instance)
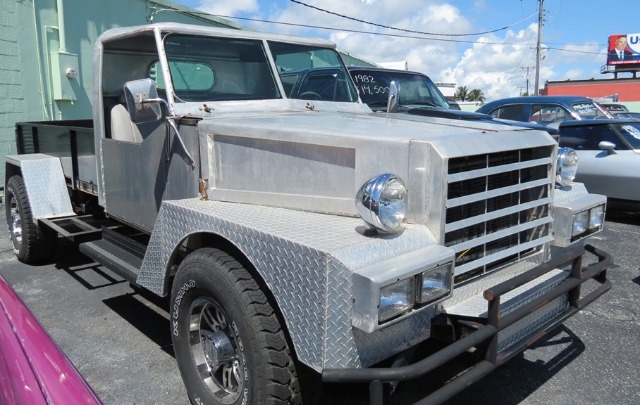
(399, 29)
(361, 31)
(319, 27)
(573, 50)
(202, 13)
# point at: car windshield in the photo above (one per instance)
(626, 114)
(415, 89)
(630, 133)
(216, 69)
(589, 110)
(312, 73)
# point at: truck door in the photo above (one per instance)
(144, 164)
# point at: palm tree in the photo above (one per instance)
(476, 95)
(462, 93)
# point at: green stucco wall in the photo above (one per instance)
(33, 86)
(12, 103)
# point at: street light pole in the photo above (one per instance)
(540, 14)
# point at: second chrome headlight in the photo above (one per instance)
(382, 202)
(567, 166)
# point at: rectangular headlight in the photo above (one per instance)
(434, 283)
(386, 291)
(396, 299)
(596, 218)
(576, 215)
(580, 223)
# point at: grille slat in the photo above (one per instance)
(497, 208)
(465, 175)
(490, 215)
(521, 189)
(493, 236)
(513, 252)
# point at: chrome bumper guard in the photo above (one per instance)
(487, 334)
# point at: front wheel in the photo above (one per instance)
(228, 341)
(31, 243)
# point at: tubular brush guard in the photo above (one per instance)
(487, 335)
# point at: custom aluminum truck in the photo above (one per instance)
(293, 228)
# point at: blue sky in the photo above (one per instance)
(496, 59)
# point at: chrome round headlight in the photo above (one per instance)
(382, 202)
(567, 166)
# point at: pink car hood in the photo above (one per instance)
(33, 369)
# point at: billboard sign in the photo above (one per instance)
(624, 50)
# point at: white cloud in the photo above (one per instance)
(443, 58)
(425, 55)
(497, 65)
(229, 8)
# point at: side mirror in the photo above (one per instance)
(394, 97)
(608, 146)
(142, 99)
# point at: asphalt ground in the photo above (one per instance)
(120, 342)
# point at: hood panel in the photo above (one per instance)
(317, 161)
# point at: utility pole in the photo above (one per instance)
(527, 68)
(540, 15)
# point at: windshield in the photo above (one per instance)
(312, 73)
(415, 89)
(589, 110)
(216, 69)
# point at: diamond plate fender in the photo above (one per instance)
(307, 260)
(45, 184)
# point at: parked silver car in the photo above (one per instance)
(609, 153)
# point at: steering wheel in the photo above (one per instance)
(310, 95)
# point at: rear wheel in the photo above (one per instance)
(228, 341)
(31, 243)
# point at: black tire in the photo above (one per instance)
(31, 243)
(229, 344)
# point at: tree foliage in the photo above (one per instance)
(476, 95)
(464, 94)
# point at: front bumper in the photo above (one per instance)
(496, 322)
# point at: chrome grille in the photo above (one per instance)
(498, 208)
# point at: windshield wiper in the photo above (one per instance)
(427, 103)
(376, 103)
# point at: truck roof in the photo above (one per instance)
(123, 32)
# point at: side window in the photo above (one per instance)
(605, 133)
(187, 75)
(548, 113)
(288, 81)
(320, 71)
(589, 137)
(574, 137)
(509, 112)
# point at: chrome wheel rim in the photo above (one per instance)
(216, 350)
(15, 222)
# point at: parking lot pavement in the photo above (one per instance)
(120, 340)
